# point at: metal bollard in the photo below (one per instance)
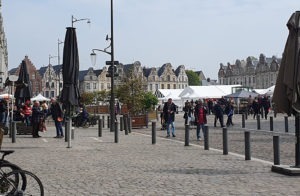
(103, 120)
(247, 146)
(187, 135)
(14, 132)
(286, 124)
(243, 120)
(276, 148)
(108, 122)
(68, 131)
(116, 132)
(129, 124)
(125, 124)
(225, 141)
(246, 115)
(121, 123)
(100, 127)
(271, 123)
(258, 122)
(206, 137)
(72, 133)
(153, 132)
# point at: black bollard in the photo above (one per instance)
(153, 132)
(247, 146)
(271, 123)
(108, 122)
(72, 133)
(276, 148)
(14, 132)
(206, 138)
(286, 124)
(103, 120)
(129, 124)
(258, 122)
(225, 141)
(116, 132)
(187, 135)
(246, 115)
(125, 124)
(243, 120)
(100, 128)
(121, 123)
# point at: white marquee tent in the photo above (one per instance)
(203, 92)
(40, 97)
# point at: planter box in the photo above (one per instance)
(139, 121)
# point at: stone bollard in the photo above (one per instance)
(100, 127)
(206, 138)
(187, 135)
(276, 148)
(247, 146)
(153, 132)
(225, 141)
(271, 123)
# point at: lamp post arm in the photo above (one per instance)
(109, 53)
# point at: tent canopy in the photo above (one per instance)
(39, 97)
(241, 94)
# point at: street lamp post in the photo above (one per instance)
(111, 71)
(58, 60)
(76, 20)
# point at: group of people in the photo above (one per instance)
(259, 106)
(195, 112)
(34, 114)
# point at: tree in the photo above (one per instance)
(150, 100)
(193, 78)
(132, 93)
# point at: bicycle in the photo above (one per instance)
(17, 181)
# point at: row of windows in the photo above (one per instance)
(180, 86)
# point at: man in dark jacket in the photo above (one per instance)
(57, 115)
(37, 116)
(169, 110)
(218, 114)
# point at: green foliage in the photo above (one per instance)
(89, 98)
(132, 93)
(193, 78)
(150, 100)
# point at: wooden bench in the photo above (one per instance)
(23, 129)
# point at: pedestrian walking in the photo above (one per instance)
(229, 114)
(57, 116)
(187, 112)
(169, 110)
(200, 118)
(218, 110)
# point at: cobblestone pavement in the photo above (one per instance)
(134, 166)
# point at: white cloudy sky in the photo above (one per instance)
(199, 34)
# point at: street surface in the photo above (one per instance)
(134, 166)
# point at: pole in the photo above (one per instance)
(297, 146)
(112, 96)
(225, 141)
(153, 132)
